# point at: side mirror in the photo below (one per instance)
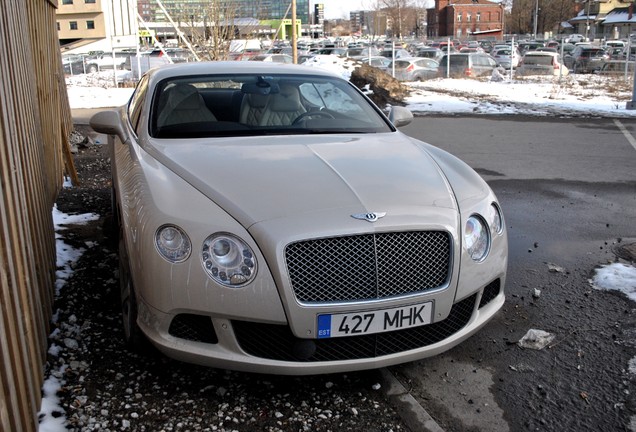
(109, 123)
(400, 116)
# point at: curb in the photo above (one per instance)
(409, 409)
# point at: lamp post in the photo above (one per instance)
(536, 18)
(294, 34)
(587, 21)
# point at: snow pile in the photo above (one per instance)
(616, 277)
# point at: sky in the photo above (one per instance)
(458, 96)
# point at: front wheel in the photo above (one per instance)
(133, 336)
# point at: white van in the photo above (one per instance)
(615, 44)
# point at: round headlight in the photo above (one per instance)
(228, 260)
(172, 243)
(476, 238)
(496, 221)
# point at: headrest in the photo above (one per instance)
(185, 96)
(288, 99)
(257, 100)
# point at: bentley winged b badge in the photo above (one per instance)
(369, 217)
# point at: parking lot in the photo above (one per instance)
(568, 207)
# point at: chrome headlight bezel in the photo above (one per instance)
(172, 243)
(477, 237)
(496, 219)
(228, 260)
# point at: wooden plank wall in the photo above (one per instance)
(35, 123)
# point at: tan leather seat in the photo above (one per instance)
(183, 104)
(283, 107)
(252, 108)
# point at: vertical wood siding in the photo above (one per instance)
(35, 123)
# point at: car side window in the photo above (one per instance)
(135, 106)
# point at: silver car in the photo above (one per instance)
(272, 219)
(506, 57)
(414, 69)
(541, 63)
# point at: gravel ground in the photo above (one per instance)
(105, 387)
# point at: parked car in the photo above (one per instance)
(616, 53)
(432, 53)
(547, 49)
(106, 62)
(617, 68)
(541, 63)
(574, 38)
(73, 64)
(615, 44)
(529, 46)
(360, 52)
(414, 69)
(397, 53)
(275, 58)
(471, 50)
(379, 62)
(586, 59)
(331, 51)
(272, 219)
(463, 65)
(507, 57)
(566, 48)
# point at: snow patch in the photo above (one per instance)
(616, 277)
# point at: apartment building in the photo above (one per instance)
(96, 24)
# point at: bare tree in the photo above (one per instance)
(213, 26)
(397, 13)
(550, 15)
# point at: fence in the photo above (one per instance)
(35, 122)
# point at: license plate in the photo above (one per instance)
(375, 321)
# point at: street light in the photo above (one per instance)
(536, 18)
(587, 21)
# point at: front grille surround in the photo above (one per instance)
(369, 267)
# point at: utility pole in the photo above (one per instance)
(536, 18)
(294, 35)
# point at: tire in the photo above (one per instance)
(111, 221)
(92, 68)
(134, 338)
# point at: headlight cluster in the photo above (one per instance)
(172, 243)
(227, 259)
(479, 230)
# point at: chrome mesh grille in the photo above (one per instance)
(369, 266)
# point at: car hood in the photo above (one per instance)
(257, 179)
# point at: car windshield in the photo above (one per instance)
(249, 105)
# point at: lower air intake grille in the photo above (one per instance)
(193, 327)
(490, 292)
(277, 342)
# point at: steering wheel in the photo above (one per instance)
(312, 114)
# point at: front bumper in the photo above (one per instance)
(270, 348)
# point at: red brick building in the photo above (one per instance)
(466, 19)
